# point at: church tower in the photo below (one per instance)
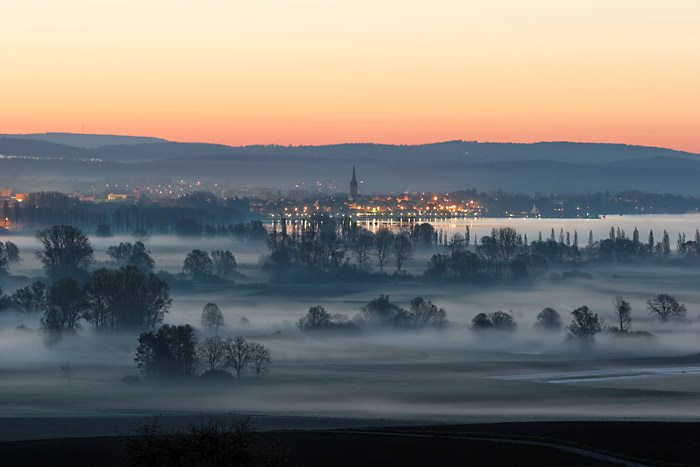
(353, 185)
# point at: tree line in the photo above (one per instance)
(126, 297)
(174, 352)
(197, 213)
(324, 245)
(327, 245)
(585, 324)
(423, 314)
(346, 249)
(506, 254)
(500, 203)
(381, 311)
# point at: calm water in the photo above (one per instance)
(673, 223)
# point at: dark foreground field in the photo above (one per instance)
(522, 444)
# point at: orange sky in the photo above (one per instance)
(324, 71)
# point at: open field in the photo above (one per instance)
(494, 444)
(434, 376)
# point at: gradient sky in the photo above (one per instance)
(317, 72)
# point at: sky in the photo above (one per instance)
(323, 71)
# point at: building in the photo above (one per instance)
(353, 185)
(114, 197)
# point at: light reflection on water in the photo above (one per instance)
(673, 223)
(169, 251)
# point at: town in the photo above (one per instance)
(210, 203)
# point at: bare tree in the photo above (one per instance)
(213, 352)
(259, 358)
(623, 313)
(666, 307)
(383, 241)
(361, 246)
(238, 356)
(402, 249)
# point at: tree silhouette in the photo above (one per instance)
(224, 262)
(666, 307)
(548, 319)
(383, 241)
(584, 325)
(623, 313)
(259, 358)
(67, 251)
(361, 246)
(212, 352)
(198, 263)
(316, 318)
(402, 249)
(238, 355)
(63, 307)
(212, 318)
(171, 352)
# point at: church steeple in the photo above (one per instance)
(353, 184)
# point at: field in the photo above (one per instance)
(407, 377)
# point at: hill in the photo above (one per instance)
(559, 167)
(84, 141)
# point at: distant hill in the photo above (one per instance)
(41, 149)
(451, 151)
(84, 141)
(558, 167)
(162, 150)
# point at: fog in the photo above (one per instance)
(454, 374)
(453, 165)
(168, 251)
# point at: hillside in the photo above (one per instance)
(84, 141)
(447, 166)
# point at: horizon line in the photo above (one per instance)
(347, 142)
